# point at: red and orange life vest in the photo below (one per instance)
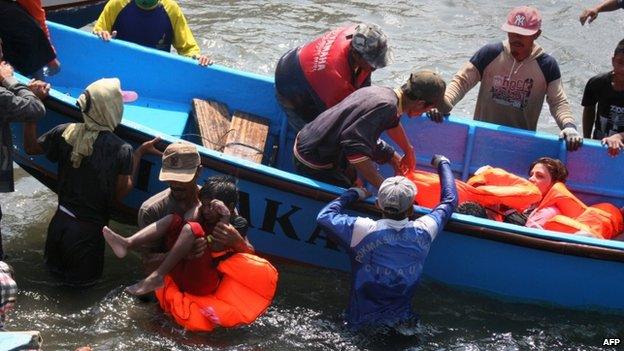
(236, 292)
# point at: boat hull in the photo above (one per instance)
(498, 259)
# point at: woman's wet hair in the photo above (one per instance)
(222, 188)
(558, 171)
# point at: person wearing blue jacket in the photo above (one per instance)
(387, 255)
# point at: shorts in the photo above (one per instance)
(74, 249)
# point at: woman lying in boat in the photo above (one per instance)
(558, 209)
(226, 286)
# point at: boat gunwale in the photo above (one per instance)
(526, 237)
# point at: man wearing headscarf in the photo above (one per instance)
(95, 169)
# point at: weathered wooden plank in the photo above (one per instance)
(247, 137)
(213, 122)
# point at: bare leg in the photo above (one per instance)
(178, 252)
(149, 234)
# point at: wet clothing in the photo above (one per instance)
(387, 256)
(512, 93)
(17, 104)
(157, 207)
(74, 249)
(198, 276)
(314, 77)
(75, 246)
(89, 190)
(157, 28)
(610, 113)
(24, 43)
(349, 132)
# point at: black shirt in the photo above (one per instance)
(88, 191)
(610, 116)
(351, 129)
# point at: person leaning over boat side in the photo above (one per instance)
(18, 103)
(387, 256)
(589, 14)
(516, 75)
(318, 75)
(26, 45)
(344, 140)
(157, 24)
(95, 169)
(607, 91)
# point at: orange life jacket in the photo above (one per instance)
(245, 291)
(602, 221)
(492, 187)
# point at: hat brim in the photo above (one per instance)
(177, 175)
(518, 30)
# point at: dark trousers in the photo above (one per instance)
(74, 249)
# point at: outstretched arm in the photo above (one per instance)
(590, 14)
(438, 217)
(336, 224)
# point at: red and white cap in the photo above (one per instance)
(523, 20)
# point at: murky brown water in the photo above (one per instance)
(306, 314)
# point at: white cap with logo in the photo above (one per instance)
(396, 194)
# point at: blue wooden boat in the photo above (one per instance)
(499, 259)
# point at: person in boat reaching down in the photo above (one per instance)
(387, 255)
(225, 230)
(314, 77)
(344, 140)
(590, 14)
(516, 75)
(157, 24)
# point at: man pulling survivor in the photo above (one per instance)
(227, 285)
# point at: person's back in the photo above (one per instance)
(387, 255)
(88, 191)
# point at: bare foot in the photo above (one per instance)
(118, 243)
(147, 285)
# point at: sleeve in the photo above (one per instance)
(124, 158)
(147, 215)
(18, 103)
(559, 105)
(183, 40)
(437, 218)
(464, 80)
(620, 4)
(50, 141)
(591, 92)
(360, 140)
(383, 152)
(240, 224)
(109, 15)
(538, 218)
(337, 225)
